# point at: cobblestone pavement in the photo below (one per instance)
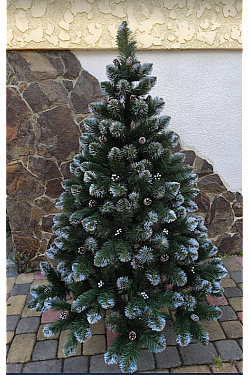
(27, 351)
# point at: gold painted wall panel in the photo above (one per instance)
(92, 24)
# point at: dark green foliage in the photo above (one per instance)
(128, 238)
(125, 43)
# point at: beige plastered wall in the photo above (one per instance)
(92, 24)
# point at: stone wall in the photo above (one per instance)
(48, 94)
(221, 209)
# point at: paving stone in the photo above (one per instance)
(231, 264)
(39, 276)
(7, 296)
(21, 348)
(239, 260)
(11, 273)
(191, 369)
(10, 281)
(45, 350)
(98, 328)
(228, 349)
(29, 298)
(227, 314)
(214, 301)
(240, 342)
(63, 337)
(169, 333)
(28, 325)
(239, 366)
(15, 304)
(194, 357)
(236, 303)
(50, 316)
(227, 283)
(233, 330)
(194, 354)
(214, 330)
(168, 358)
(111, 336)
(25, 278)
(95, 345)
(14, 368)
(146, 361)
(9, 336)
(240, 315)
(76, 365)
(39, 282)
(19, 289)
(172, 314)
(40, 336)
(237, 276)
(97, 365)
(29, 313)
(11, 322)
(165, 309)
(232, 292)
(240, 286)
(224, 368)
(50, 366)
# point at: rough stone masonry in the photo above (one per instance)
(48, 93)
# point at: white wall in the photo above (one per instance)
(202, 91)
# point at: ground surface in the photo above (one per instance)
(28, 351)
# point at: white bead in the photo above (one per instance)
(100, 284)
(144, 295)
(114, 177)
(119, 231)
(157, 176)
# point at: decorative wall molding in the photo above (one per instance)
(158, 24)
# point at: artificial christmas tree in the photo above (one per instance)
(129, 227)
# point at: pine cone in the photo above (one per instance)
(132, 99)
(116, 62)
(129, 61)
(142, 140)
(102, 139)
(147, 201)
(132, 335)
